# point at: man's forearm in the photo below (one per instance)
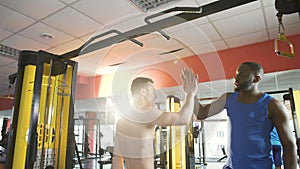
(199, 110)
(290, 157)
(186, 111)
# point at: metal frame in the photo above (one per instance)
(38, 59)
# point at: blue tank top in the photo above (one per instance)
(275, 138)
(250, 146)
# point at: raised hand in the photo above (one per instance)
(189, 81)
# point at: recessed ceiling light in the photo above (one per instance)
(46, 35)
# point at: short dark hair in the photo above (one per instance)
(255, 67)
(138, 83)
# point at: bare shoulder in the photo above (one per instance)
(227, 94)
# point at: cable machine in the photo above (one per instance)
(42, 128)
(43, 116)
(180, 141)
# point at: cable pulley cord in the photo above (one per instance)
(46, 116)
(280, 25)
(60, 118)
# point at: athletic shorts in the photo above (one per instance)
(277, 155)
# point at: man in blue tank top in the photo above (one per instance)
(276, 149)
(252, 115)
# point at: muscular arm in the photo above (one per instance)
(279, 115)
(204, 111)
(184, 116)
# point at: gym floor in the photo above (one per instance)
(93, 164)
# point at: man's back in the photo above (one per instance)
(134, 142)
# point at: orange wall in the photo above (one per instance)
(211, 66)
(6, 104)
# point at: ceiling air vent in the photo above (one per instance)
(145, 5)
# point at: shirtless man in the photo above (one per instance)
(134, 136)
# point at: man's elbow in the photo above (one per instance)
(201, 113)
(201, 116)
(182, 121)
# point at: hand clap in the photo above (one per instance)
(190, 81)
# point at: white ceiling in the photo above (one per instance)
(73, 22)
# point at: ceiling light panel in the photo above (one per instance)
(146, 5)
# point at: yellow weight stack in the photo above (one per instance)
(43, 118)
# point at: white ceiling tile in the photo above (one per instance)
(124, 24)
(107, 70)
(104, 12)
(185, 3)
(292, 29)
(178, 27)
(123, 15)
(267, 2)
(100, 58)
(87, 65)
(72, 22)
(208, 47)
(87, 37)
(56, 51)
(205, 2)
(196, 35)
(8, 70)
(154, 40)
(35, 31)
(5, 89)
(272, 20)
(22, 43)
(69, 46)
(241, 24)
(247, 39)
(162, 44)
(235, 11)
(209, 31)
(68, 1)
(172, 4)
(220, 45)
(199, 21)
(109, 59)
(144, 57)
(185, 52)
(85, 73)
(124, 49)
(3, 77)
(41, 8)
(6, 61)
(4, 85)
(4, 34)
(13, 21)
(13, 65)
(186, 25)
(100, 31)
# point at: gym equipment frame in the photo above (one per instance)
(42, 128)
